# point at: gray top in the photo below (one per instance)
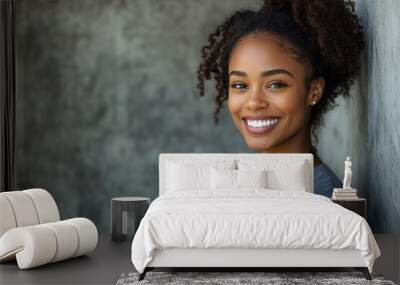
(325, 180)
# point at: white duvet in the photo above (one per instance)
(252, 218)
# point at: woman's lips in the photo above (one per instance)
(260, 130)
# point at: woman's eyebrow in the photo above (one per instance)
(238, 73)
(275, 71)
(264, 73)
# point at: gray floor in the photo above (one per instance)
(103, 266)
(110, 260)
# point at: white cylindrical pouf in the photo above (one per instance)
(7, 218)
(33, 245)
(87, 234)
(23, 208)
(45, 243)
(67, 239)
(45, 205)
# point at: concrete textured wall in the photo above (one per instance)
(366, 126)
(105, 86)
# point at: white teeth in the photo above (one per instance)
(261, 123)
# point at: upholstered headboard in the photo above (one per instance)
(307, 157)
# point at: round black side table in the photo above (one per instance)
(120, 206)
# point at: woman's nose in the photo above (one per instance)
(256, 99)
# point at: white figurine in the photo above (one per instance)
(347, 174)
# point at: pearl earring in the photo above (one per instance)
(314, 102)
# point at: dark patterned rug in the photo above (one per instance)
(229, 278)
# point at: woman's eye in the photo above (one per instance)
(277, 85)
(238, 85)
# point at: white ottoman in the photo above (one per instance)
(31, 230)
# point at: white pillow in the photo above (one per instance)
(223, 179)
(251, 178)
(188, 177)
(228, 179)
(289, 179)
(281, 175)
(191, 174)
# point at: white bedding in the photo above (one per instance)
(251, 218)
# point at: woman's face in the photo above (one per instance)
(268, 100)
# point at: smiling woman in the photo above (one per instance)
(281, 68)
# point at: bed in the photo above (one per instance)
(242, 210)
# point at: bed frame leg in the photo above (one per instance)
(143, 274)
(364, 271)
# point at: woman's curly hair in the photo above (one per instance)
(325, 35)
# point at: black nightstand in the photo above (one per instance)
(358, 205)
(120, 206)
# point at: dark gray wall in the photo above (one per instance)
(105, 86)
(366, 126)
